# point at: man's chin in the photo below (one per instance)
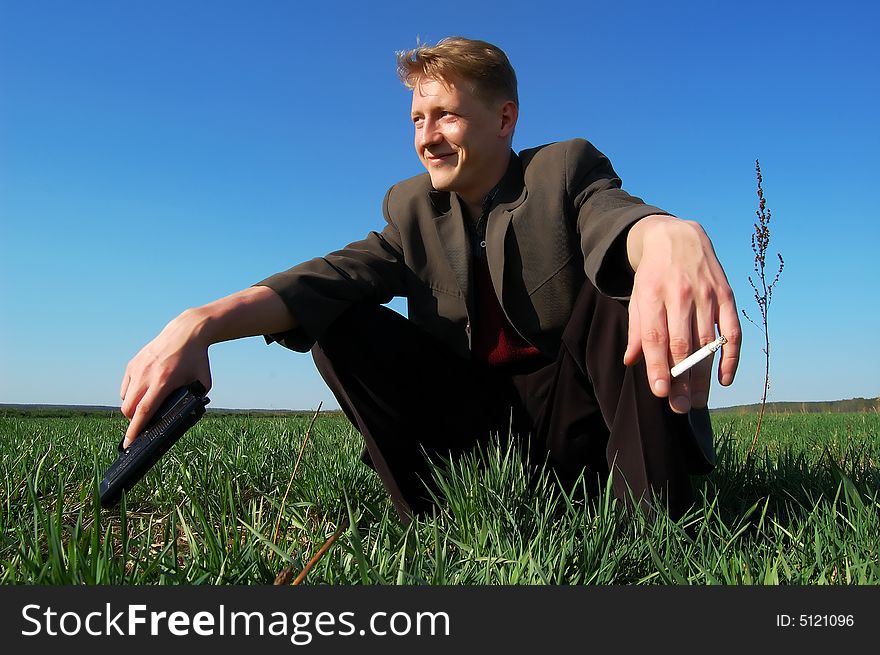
(442, 182)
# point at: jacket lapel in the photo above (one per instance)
(454, 239)
(511, 194)
(453, 236)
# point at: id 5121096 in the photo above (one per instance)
(815, 620)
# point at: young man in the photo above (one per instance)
(542, 300)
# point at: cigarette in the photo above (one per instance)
(698, 356)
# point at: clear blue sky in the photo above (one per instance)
(157, 155)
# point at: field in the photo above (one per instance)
(233, 503)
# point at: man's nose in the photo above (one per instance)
(429, 134)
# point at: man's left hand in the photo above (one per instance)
(680, 294)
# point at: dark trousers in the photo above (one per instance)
(584, 412)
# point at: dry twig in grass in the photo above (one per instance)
(295, 467)
(283, 578)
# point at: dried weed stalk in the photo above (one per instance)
(763, 290)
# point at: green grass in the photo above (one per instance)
(804, 510)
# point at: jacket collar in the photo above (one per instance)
(453, 236)
(511, 191)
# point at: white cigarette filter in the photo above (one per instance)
(698, 356)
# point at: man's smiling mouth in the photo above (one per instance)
(432, 157)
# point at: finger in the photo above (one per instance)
(133, 395)
(126, 380)
(145, 409)
(729, 325)
(633, 338)
(701, 374)
(681, 344)
(655, 347)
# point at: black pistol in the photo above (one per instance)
(178, 413)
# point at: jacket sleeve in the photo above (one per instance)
(318, 291)
(605, 212)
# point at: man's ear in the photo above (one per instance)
(509, 113)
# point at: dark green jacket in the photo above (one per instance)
(559, 216)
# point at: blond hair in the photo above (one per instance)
(484, 66)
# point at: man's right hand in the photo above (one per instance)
(179, 355)
(176, 357)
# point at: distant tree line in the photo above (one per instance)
(74, 411)
(853, 405)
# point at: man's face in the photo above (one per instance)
(462, 141)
